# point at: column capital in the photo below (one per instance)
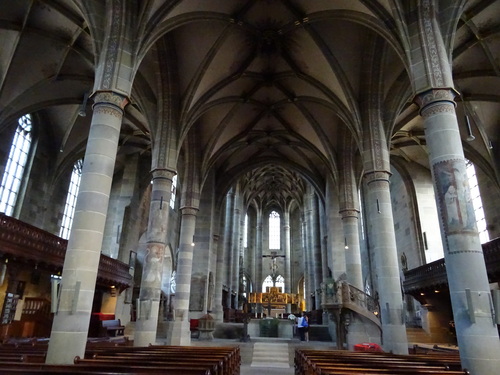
(163, 174)
(435, 96)
(186, 210)
(377, 176)
(110, 97)
(349, 212)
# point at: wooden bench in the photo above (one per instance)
(113, 327)
(228, 358)
(322, 362)
(98, 369)
(205, 367)
(107, 360)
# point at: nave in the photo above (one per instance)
(183, 158)
(229, 357)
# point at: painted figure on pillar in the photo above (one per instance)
(152, 272)
(454, 196)
(211, 289)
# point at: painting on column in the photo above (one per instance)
(153, 264)
(454, 198)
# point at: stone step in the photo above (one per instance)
(270, 355)
(418, 335)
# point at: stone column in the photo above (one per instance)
(179, 331)
(349, 211)
(323, 240)
(383, 241)
(350, 224)
(258, 253)
(335, 233)
(236, 249)
(219, 277)
(228, 243)
(286, 245)
(316, 261)
(71, 323)
(152, 273)
(288, 265)
(252, 254)
(308, 273)
(477, 334)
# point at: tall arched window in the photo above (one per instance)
(69, 208)
(477, 203)
(14, 170)
(274, 231)
(245, 232)
(173, 192)
(268, 282)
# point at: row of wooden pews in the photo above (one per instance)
(341, 362)
(105, 357)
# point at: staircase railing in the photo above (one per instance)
(340, 294)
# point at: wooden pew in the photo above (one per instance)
(133, 365)
(230, 356)
(320, 362)
(214, 363)
(104, 359)
(113, 327)
(97, 369)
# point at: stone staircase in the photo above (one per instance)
(273, 355)
(418, 335)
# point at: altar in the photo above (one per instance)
(271, 327)
(274, 300)
(275, 308)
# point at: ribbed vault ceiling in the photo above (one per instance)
(272, 89)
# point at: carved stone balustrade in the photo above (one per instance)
(339, 295)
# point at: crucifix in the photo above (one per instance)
(274, 265)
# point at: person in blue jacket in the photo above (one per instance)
(303, 326)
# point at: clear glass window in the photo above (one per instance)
(245, 232)
(16, 163)
(477, 202)
(268, 282)
(69, 208)
(274, 231)
(173, 192)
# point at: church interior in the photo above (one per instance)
(192, 172)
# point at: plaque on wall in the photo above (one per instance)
(9, 308)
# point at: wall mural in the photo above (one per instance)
(454, 197)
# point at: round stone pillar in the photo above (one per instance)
(71, 322)
(477, 333)
(352, 248)
(258, 253)
(179, 332)
(219, 276)
(383, 242)
(152, 274)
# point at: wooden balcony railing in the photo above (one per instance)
(433, 275)
(33, 245)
